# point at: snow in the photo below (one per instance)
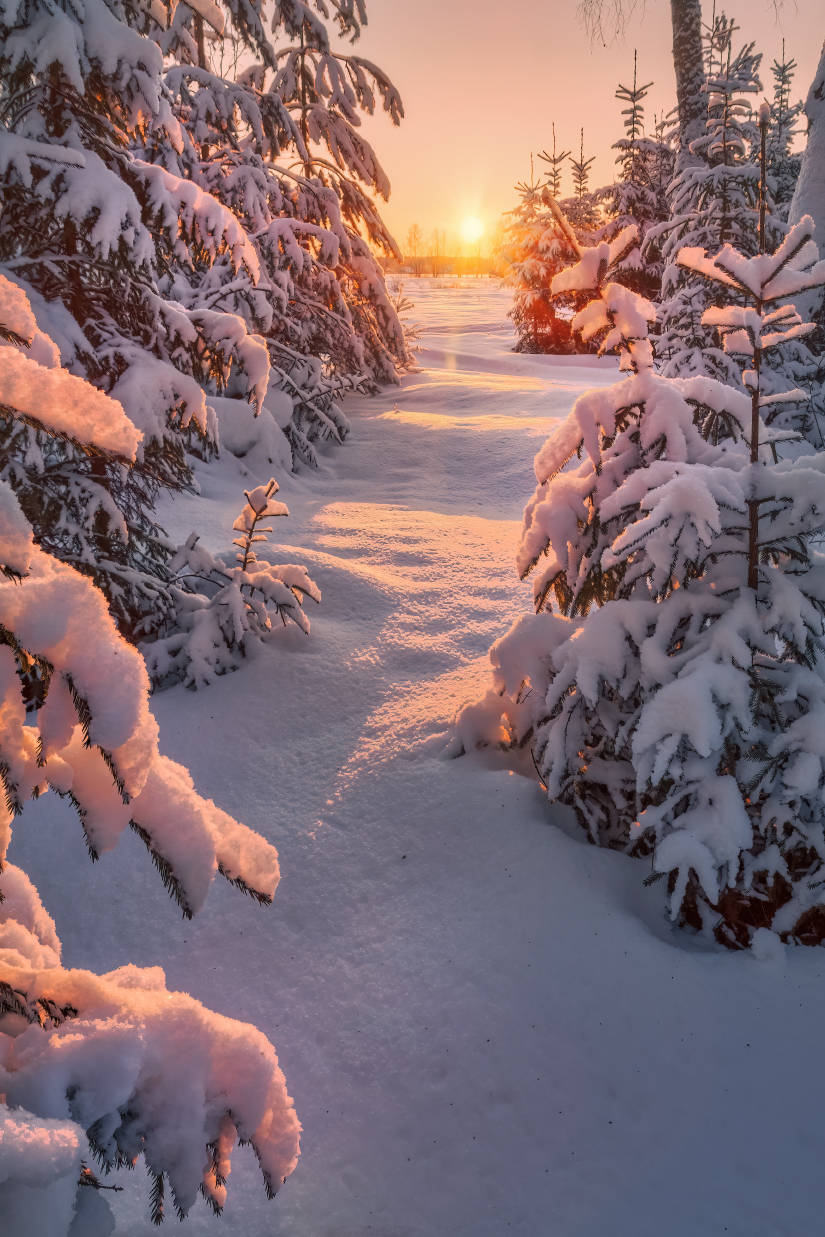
(484, 1023)
(39, 1167)
(33, 387)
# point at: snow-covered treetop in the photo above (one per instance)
(554, 162)
(784, 114)
(630, 147)
(581, 170)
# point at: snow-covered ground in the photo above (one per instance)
(485, 1023)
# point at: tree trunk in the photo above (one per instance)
(686, 16)
(809, 195)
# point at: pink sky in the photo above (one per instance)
(482, 80)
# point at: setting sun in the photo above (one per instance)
(472, 229)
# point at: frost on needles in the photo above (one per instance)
(672, 679)
(107, 1068)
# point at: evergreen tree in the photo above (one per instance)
(638, 196)
(100, 240)
(324, 90)
(221, 610)
(712, 203)
(254, 143)
(582, 210)
(171, 258)
(554, 165)
(783, 166)
(680, 670)
(536, 246)
(792, 368)
(152, 1072)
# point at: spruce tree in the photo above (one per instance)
(638, 196)
(222, 610)
(534, 249)
(582, 209)
(172, 259)
(783, 165)
(672, 680)
(278, 144)
(324, 90)
(103, 245)
(712, 203)
(128, 1068)
(554, 163)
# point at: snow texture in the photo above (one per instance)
(624, 1063)
(140, 1070)
(50, 397)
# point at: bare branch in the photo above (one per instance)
(606, 20)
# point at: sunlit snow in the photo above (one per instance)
(487, 1026)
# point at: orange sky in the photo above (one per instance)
(480, 92)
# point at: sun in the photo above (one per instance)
(472, 230)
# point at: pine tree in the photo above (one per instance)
(152, 1072)
(102, 242)
(680, 672)
(533, 250)
(638, 196)
(712, 203)
(783, 166)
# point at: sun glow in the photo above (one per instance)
(472, 230)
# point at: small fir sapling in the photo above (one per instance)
(672, 681)
(222, 610)
(554, 163)
(110, 1066)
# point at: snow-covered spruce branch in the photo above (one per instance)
(170, 256)
(109, 1068)
(114, 1064)
(221, 610)
(96, 742)
(674, 705)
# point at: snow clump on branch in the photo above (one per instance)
(113, 1066)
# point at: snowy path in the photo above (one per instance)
(485, 1024)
